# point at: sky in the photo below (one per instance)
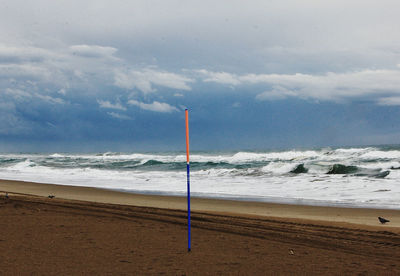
(117, 75)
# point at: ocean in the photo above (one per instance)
(352, 177)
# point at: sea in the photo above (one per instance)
(350, 177)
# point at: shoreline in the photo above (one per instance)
(261, 199)
(342, 216)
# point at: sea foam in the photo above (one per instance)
(344, 176)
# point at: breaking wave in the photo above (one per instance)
(323, 174)
(342, 169)
(299, 169)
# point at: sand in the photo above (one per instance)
(95, 231)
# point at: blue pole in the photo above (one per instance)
(188, 175)
(188, 203)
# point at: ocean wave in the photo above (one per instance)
(152, 163)
(273, 156)
(378, 155)
(9, 161)
(279, 167)
(381, 174)
(329, 175)
(235, 158)
(56, 155)
(342, 169)
(338, 161)
(299, 169)
(24, 165)
(361, 163)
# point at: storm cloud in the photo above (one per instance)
(102, 63)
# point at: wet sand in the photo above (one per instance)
(95, 231)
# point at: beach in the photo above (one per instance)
(199, 138)
(96, 231)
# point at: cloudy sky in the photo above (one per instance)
(117, 75)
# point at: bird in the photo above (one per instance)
(51, 196)
(383, 220)
(6, 195)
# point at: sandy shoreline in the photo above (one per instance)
(90, 231)
(338, 215)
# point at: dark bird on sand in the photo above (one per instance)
(383, 220)
(6, 195)
(51, 196)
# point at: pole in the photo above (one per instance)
(188, 176)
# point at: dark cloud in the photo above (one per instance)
(255, 74)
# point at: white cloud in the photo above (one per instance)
(109, 105)
(77, 68)
(277, 36)
(276, 93)
(29, 74)
(391, 101)
(146, 78)
(17, 93)
(329, 86)
(62, 91)
(22, 54)
(219, 77)
(155, 106)
(92, 51)
(49, 99)
(63, 66)
(31, 71)
(132, 79)
(119, 116)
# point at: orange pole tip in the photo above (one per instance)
(187, 134)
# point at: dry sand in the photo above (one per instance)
(95, 231)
